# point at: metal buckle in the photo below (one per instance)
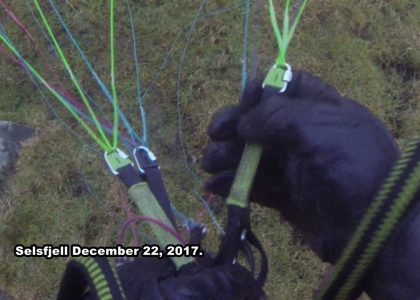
(116, 159)
(279, 77)
(243, 235)
(150, 156)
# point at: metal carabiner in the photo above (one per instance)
(279, 77)
(116, 160)
(152, 160)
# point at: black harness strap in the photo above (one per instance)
(151, 172)
(247, 251)
(129, 176)
(197, 234)
(238, 237)
(253, 240)
(403, 184)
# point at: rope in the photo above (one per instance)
(129, 214)
(72, 105)
(194, 177)
(180, 32)
(283, 39)
(138, 86)
(105, 142)
(245, 44)
(113, 85)
(17, 21)
(150, 220)
(60, 98)
(134, 137)
(60, 88)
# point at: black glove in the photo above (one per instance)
(157, 279)
(324, 156)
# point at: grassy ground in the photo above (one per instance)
(61, 193)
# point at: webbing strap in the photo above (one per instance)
(238, 234)
(150, 167)
(90, 277)
(140, 193)
(399, 192)
(154, 179)
(253, 240)
(129, 176)
(197, 234)
(238, 230)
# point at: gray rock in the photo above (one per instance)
(11, 137)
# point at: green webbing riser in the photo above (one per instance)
(239, 192)
(147, 204)
(244, 177)
(245, 174)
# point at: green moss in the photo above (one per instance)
(367, 49)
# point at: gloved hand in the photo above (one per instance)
(150, 278)
(324, 156)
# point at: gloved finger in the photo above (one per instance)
(220, 184)
(148, 266)
(220, 156)
(251, 94)
(144, 271)
(274, 122)
(306, 85)
(222, 282)
(223, 123)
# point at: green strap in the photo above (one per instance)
(103, 277)
(404, 183)
(244, 177)
(147, 204)
(239, 192)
